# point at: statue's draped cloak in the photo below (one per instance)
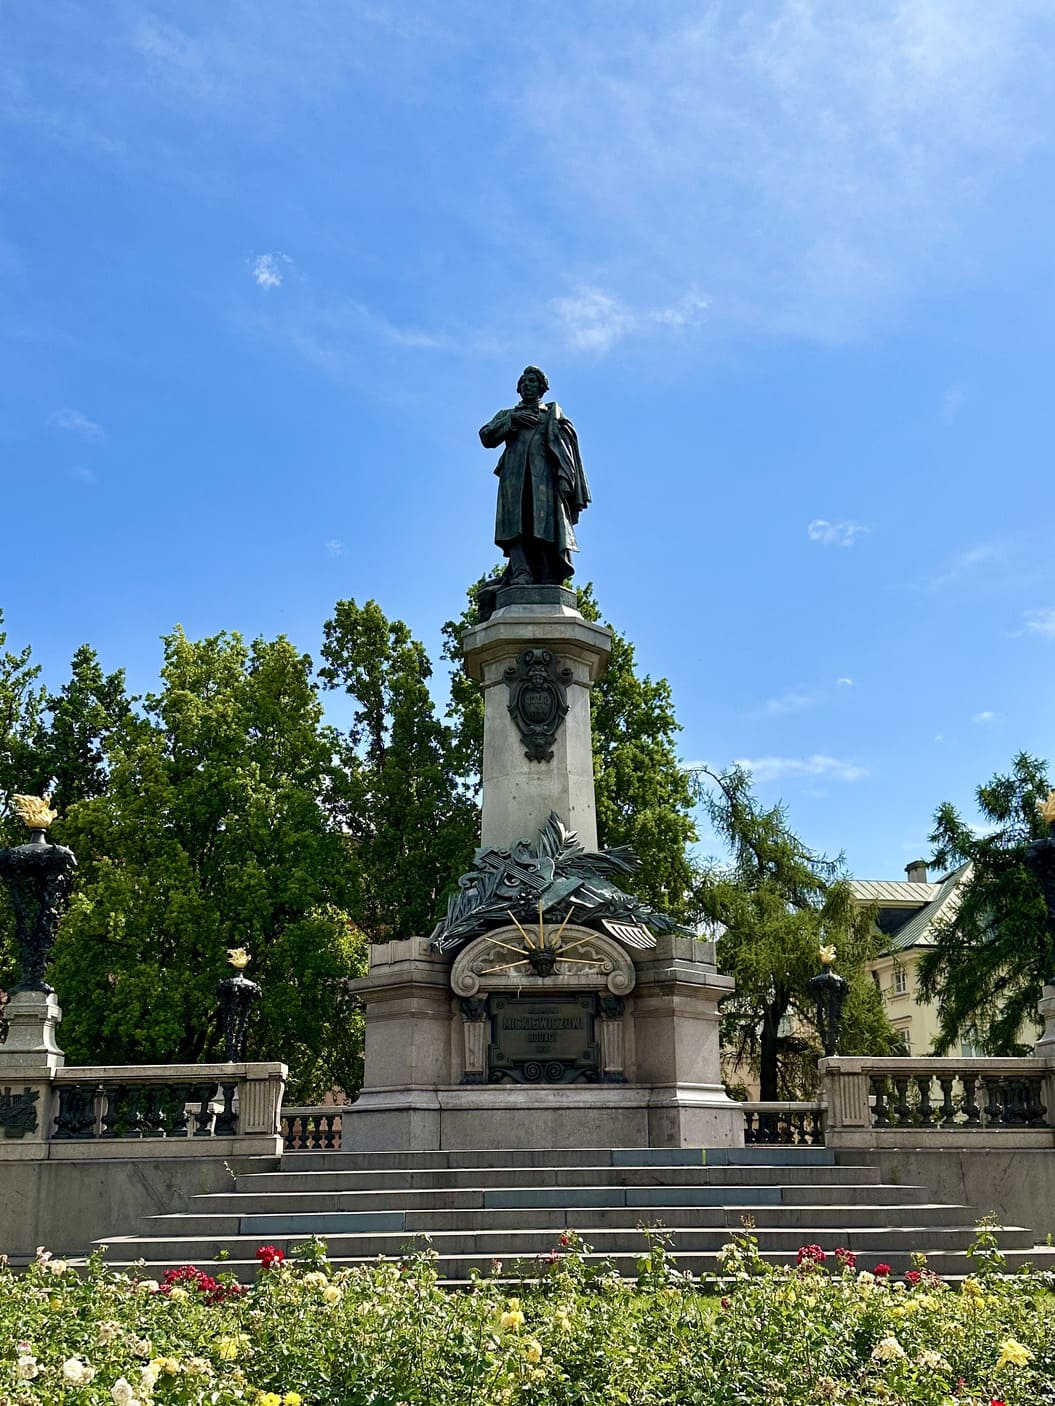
(546, 455)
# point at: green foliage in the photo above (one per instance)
(308, 1333)
(211, 834)
(70, 745)
(990, 956)
(644, 796)
(21, 701)
(411, 818)
(773, 905)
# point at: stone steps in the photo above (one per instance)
(465, 1199)
(475, 1208)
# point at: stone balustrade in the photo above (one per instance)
(313, 1129)
(875, 1103)
(142, 1110)
(783, 1123)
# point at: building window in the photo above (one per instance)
(905, 1038)
(900, 981)
(876, 980)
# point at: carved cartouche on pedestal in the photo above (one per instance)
(37, 876)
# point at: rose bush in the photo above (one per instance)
(566, 1330)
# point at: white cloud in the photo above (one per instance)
(1041, 622)
(334, 548)
(267, 270)
(844, 682)
(78, 424)
(834, 534)
(593, 320)
(796, 768)
(987, 716)
(83, 474)
(790, 702)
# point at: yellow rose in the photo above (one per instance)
(227, 1349)
(268, 1398)
(331, 1294)
(533, 1350)
(292, 1398)
(1013, 1352)
(178, 1295)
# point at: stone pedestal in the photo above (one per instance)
(430, 1024)
(32, 1017)
(519, 792)
(28, 1058)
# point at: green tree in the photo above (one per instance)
(644, 795)
(212, 833)
(772, 905)
(990, 956)
(411, 816)
(70, 743)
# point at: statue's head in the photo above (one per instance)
(533, 383)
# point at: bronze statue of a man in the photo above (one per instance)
(542, 488)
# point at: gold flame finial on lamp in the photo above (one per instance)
(1046, 807)
(238, 957)
(35, 812)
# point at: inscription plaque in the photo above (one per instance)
(543, 1039)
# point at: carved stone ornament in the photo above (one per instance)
(18, 1115)
(578, 959)
(538, 700)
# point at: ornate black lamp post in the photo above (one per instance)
(830, 992)
(37, 875)
(237, 993)
(1040, 858)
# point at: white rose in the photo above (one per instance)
(76, 1371)
(122, 1392)
(27, 1368)
(58, 1266)
(148, 1286)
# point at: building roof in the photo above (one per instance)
(908, 911)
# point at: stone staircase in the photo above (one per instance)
(512, 1206)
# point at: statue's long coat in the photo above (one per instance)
(547, 453)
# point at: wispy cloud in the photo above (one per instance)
(1041, 622)
(78, 424)
(986, 717)
(834, 534)
(965, 565)
(334, 548)
(83, 474)
(267, 269)
(810, 159)
(594, 321)
(790, 702)
(844, 682)
(765, 769)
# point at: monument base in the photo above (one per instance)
(437, 1078)
(31, 1046)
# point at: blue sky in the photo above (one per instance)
(265, 268)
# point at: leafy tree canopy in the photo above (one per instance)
(401, 797)
(211, 833)
(990, 956)
(772, 905)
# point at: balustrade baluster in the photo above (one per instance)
(329, 1140)
(202, 1095)
(970, 1103)
(880, 1113)
(179, 1095)
(749, 1126)
(926, 1108)
(1035, 1109)
(154, 1120)
(76, 1115)
(111, 1096)
(948, 1108)
(227, 1118)
(902, 1113)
